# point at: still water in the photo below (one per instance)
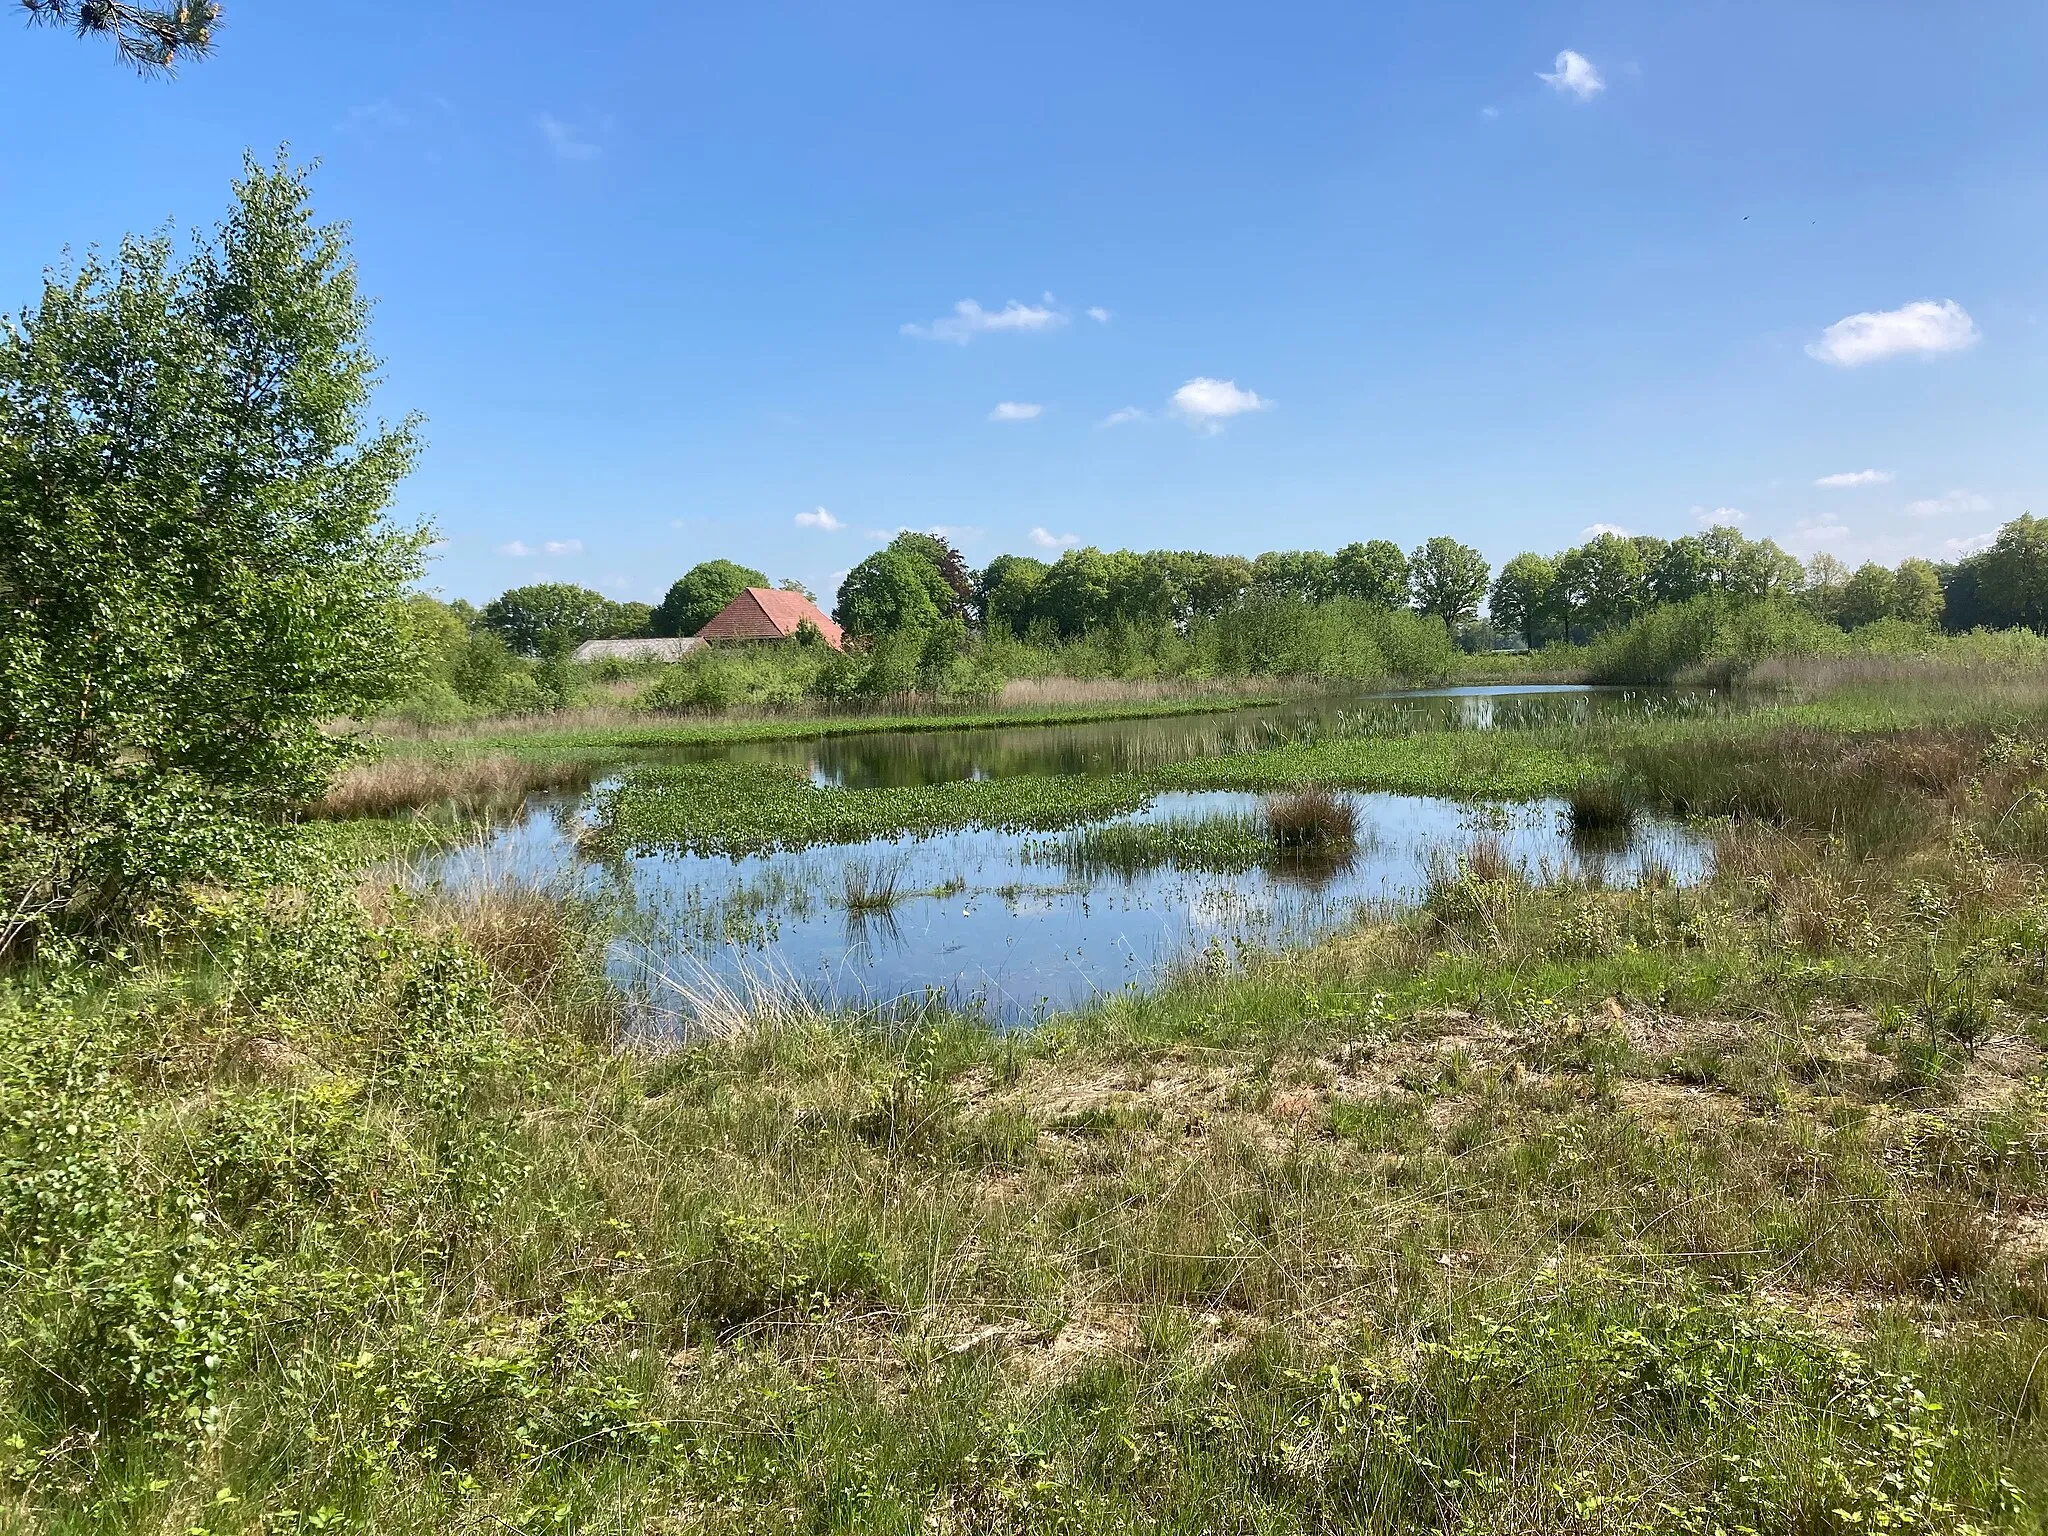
(994, 920)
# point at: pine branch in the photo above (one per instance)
(149, 38)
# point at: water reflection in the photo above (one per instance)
(973, 917)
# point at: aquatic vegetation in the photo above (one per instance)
(1311, 820)
(1223, 843)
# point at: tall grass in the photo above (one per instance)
(397, 783)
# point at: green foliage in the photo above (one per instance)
(550, 619)
(1526, 597)
(1449, 580)
(196, 574)
(2012, 575)
(890, 591)
(695, 599)
(1708, 635)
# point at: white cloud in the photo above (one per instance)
(1956, 503)
(822, 520)
(970, 320)
(516, 549)
(1719, 517)
(1850, 478)
(1046, 540)
(1923, 326)
(1489, 112)
(1970, 545)
(1098, 314)
(1208, 402)
(1575, 76)
(1598, 529)
(563, 547)
(1120, 418)
(1016, 410)
(572, 141)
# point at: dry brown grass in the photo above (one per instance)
(1311, 818)
(1054, 692)
(393, 784)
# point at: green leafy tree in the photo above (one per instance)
(1006, 593)
(1916, 593)
(197, 573)
(890, 591)
(1078, 592)
(704, 589)
(149, 37)
(954, 591)
(1606, 582)
(550, 619)
(1307, 575)
(1825, 578)
(1527, 599)
(1374, 572)
(1867, 596)
(2012, 575)
(1450, 579)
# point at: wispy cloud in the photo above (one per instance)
(1957, 503)
(1210, 402)
(1489, 113)
(1123, 417)
(563, 547)
(1598, 529)
(821, 520)
(1848, 479)
(1575, 76)
(516, 549)
(570, 140)
(1969, 545)
(1016, 410)
(1046, 540)
(956, 533)
(1924, 326)
(970, 320)
(1098, 314)
(1719, 517)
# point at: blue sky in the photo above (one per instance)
(1238, 278)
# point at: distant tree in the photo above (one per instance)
(888, 592)
(1374, 572)
(703, 590)
(2012, 574)
(1605, 581)
(149, 37)
(1307, 575)
(1527, 599)
(1078, 593)
(629, 621)
(1217, 583)
(1005, 594)
(1916, 593)
(1825, 578)
(791, 584)
(1758, 569)
(954, 593)
(1867, 596)
(197, 575)
(1686, 569)
(549, 619)
(1450, 579)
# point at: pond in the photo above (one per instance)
(1018, 925)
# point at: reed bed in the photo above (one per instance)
(398, 783)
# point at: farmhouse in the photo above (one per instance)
(763, 613)
(635, 650)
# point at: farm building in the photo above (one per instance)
(763, 613)
(635, 650)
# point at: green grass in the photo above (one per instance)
(1667, 1209)
(677, 732)
(1226, 843)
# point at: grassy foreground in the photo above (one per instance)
(1540, 1210)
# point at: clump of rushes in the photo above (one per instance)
(872, 887)
(402, 783)
(1225, 844)
(1598, 805)
(1311, 820)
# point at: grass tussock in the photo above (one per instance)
(1312, 819)
(394, 784)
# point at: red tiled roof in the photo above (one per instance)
(764, 613)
